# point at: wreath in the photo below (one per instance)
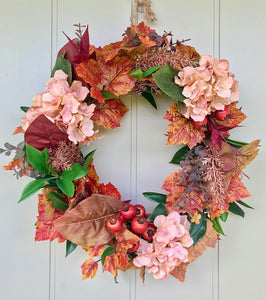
(80, 98)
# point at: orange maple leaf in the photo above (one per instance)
(89, 268)
(15, 163)
(178, 199)
(115, 75)
(94, 251)
(90, 72)
(236, 190)
(185, 55)
(112, 76)
(111, 264)
(111, 50)
(45, 229)
(181, 130)
(18, 130)
(125, 240)
(109, 113)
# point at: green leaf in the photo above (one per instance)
(224, 216)
(24, 108)
(70, 247)
(77, 171)
(236, 209)
(164, 78)
(236, 144)
(179, 155)
(58, 201)
(217, 226)
(179, 107)
(64, 65)
(38, 159)
(108, 95)
(149, 97)
(136, 74)
(31, 188)
(158, 210)
(155, 197)
(244, 204)
(149, 71)
(66, 186)
(197, 231)
(88, 158)
(107, 252)
(65, 183)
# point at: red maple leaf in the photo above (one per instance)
(109, 113)
(45, 229)
(110, 190)
(89, 268)
(181, 130)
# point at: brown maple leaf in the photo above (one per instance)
(179, 272)
(209, 240)
(249, 152)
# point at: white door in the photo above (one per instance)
(133, 157)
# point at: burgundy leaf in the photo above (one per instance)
(42, 133)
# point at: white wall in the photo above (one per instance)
(131, 157)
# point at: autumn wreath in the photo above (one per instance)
(82, 94)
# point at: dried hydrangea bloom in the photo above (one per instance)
(65, 105)
(207, 88)
(168, 248)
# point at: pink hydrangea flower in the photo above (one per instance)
(168, 248)
(207, 88)
(64, 105)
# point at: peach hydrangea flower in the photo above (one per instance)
(207, 88)
(65, 106)
(168, 248)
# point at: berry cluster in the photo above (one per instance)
(135, 218)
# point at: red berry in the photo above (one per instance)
(121, 217)
(221, 115)
(139, 224)
(200, 124)
(134, 248)
(128, 211)
(140, 210)
(114, 224)
(149, 232)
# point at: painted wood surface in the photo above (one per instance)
(134, 157)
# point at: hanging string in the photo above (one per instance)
(148, 13)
